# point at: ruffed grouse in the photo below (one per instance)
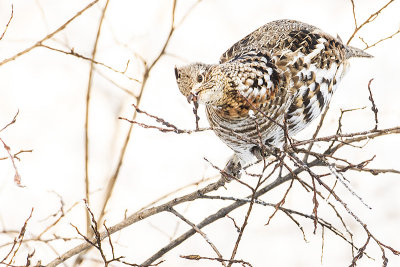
(285, 70)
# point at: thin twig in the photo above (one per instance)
(351, 137)
(72, 52)
(221, 214)
(280, 203)
(87, 109)
(8, 23)
(321, 122)
(354, 13)
(11, 122)
(180, 216)
(245, 222)
(370, 19)
(17, 176)
(360, 253)
(164, 130)
(198, 257)
(148, 68)
(138, 216)
(367, 46)
(50, 35)
(373, 108)
(194, 184)
(17, 241)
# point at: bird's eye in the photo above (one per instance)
(199, 78)
(177, 75)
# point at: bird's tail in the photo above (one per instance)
(356, 52)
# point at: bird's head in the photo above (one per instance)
(200, 82)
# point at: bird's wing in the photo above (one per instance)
(273, 36)
(289, 66)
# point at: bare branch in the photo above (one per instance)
(72, 52)
(17, 242)
(148, 69)
(373, 108)
(354, 13)
(138, 216)
(360, 253)
(10, 123)
(367, 46)
(222, 213)
(87, 109)
(50, 35)
(197, 257)
(180, 216)
(8, 23)
(370, 19)
(17, 176)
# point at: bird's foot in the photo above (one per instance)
(232, 169)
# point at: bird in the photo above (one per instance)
(271, 84)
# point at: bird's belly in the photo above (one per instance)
(244, 134)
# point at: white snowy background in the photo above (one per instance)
(49, 89)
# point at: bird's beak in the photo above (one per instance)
(192, 97)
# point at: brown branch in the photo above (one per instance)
(373, 108)
(190, 9)
(232, 219)
(61, 213)
(170, 127)
(10, 123)
(354, 13)
(196, 117)
(369, 135)
(17, 242)
(298, 224)
(96, 242)
(245, 222)
(194, 184)
(222, 213)
(164, 130)
(8, 23)
(50, 35)
(87, 108)
(138, 216)
(40, 240)
(367, 46)
(297, 162)
(315, 202)
(148, 68)
(72, 52)
(197, 257)
(370, 19)
(22, 151)
(288, 212)
(373, 171)
(280, 203)
(143, 214)
(352, 137)
(17, 176)
(360, 253)
(180, 216)
(125, 90)
(158, 119)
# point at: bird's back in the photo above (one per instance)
(277, 36)
(283, 69)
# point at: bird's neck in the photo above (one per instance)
(232, 106)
